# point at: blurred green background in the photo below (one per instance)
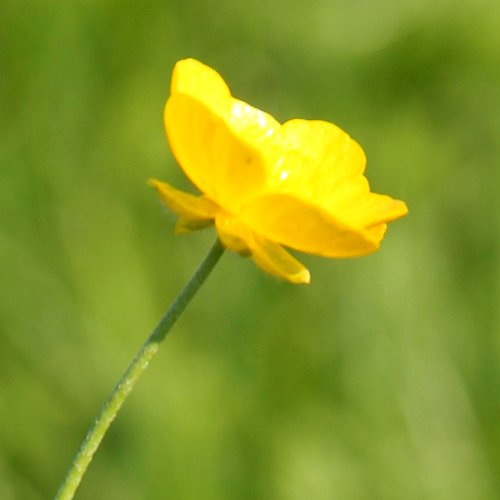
(380, 380)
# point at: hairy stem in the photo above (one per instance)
(132, 374)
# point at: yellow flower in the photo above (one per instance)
(266, 185)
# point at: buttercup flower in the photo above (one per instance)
(268, 185)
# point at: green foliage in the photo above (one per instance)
(378, 381)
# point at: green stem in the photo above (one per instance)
(136, 368)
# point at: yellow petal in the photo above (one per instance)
(216, 139)
(294, 223)
(316, 161)
(203, 84)
(323, 166)
(194, 210)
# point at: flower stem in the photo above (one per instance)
(136, 368)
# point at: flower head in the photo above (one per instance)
(268, 185)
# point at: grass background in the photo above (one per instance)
(378, 381)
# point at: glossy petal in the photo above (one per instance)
(309, 228)
(321, 165)
(216, 139)
(297, 224)
(316, 160)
